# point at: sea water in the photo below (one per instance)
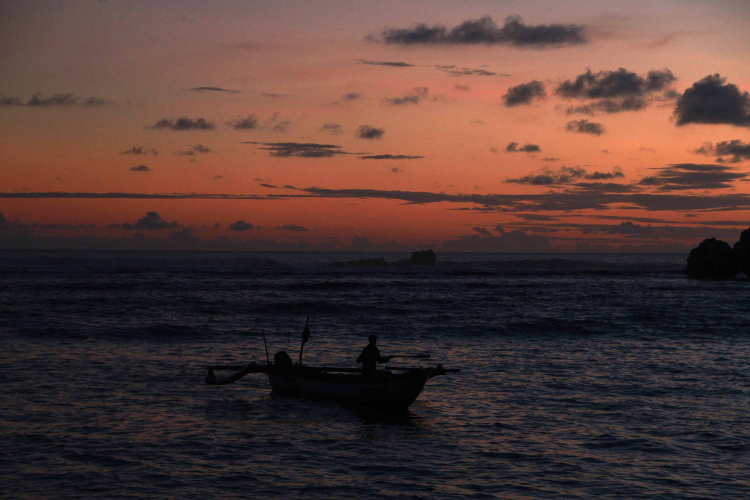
(582, 376)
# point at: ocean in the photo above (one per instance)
(582, 376)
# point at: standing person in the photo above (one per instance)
(370, 356)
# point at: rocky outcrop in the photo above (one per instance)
(712, 260)
(742, 252)
(423, 258)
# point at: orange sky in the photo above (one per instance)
(614, 162)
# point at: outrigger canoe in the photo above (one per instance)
(383, 389)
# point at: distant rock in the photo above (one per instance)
(712, 260)
(423, 258)
(742, 251)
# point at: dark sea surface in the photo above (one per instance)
(582, 376)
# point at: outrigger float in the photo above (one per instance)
(383, 389)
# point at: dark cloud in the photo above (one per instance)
(10, 101)
(151, 220)
(390, 157)
(368, 132)
(463, 88)
(291, 227)
(735, 148)
(396, 170)
(263, 184)
(302, 149)
(332, 128)
(713, 101)
(616, 91)
(214, 89)
(620, 83)
(55, 100)
(524, 93)
(499, 229)
(218, 177)
(250, 122)
(241, 225)
(397, 64)
(550, 158)
(456, 71)
(183, 123)
(565, 175)
(64, 99)
(581, 196)
(585, 127)
(193, 150)
(274, 96)
(350, 96)
(140, 150)
(484, 31)
(526, 148)
(482, 231)
(692, 176)
(140, 168)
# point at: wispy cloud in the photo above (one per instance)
(291, 227)
(55, 100)
(181, 124)
(332, 128)
(735, 149)
(415, 96)
(390, 157)
(302, 149)
(396, 64)
(250, 122)
(585, 127)
(565, 175)
(685, 176)
(140, 168)
(214, 89)
(140, 150)
(193, 150)
(454, 70)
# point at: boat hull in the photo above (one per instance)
(383, 390)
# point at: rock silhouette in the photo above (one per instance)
(427, 258)
(742, 252)
(713, 260)
(420, 258)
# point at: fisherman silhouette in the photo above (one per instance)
(370, 356)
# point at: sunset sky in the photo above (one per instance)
(296, 125)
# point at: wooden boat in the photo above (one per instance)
(383, 389)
